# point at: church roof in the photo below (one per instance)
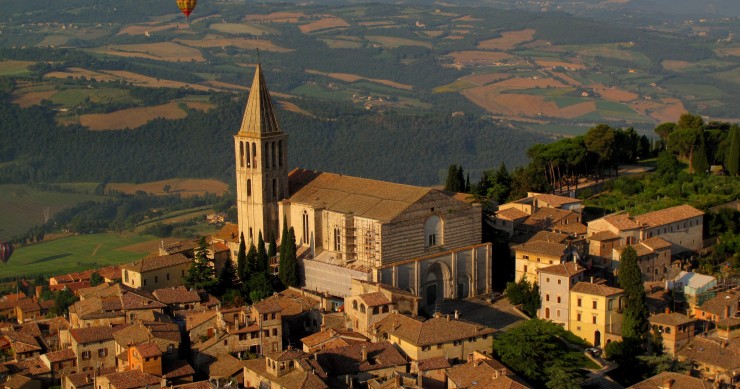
(372, 199)
(259, 116)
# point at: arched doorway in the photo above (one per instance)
(597, 338)
(434, 283)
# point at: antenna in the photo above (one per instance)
(258, 57)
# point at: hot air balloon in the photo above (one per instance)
(187, 6)
(6, 250)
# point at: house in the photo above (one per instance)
(360, 362)
(595, 312)
(19, 381)
(431, 372)
(549, 219)
(670, 380)
(156, 272)
(32, 309)
(299, 312)
(371, 302)
(228, 368)
(84, 379)
(200, 325)
(129, 379)
(330, 338)
(653, 258)
(714, 359)
(290, 369)
(555, 282)
(482, 371)
(440, 336)
(60, 363)
(178, 298)
(113, 304)
(723, 305)
(21, 344)
(508, 219)
(146, 357)
(94, 347)
(675, 329)
(534, 255)
(601, 247)
(165, 336)
(682, 226)
(349, 227)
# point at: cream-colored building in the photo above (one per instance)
(423, 240)
(535, 255)
(653, 258)
(595, 312)
(555, 282)
(158, 272)
(440, 336)
(371, 302)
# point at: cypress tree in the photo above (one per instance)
(201, 275)
(634, 325)
(272, 249)
(241, 260)
(451, 182)
(288, 271)
(252, 265)
(699, 159)
(262, 261)
(227, 279)
(732, 156)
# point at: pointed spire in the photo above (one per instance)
(259, 116)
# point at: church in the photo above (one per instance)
(422, 240)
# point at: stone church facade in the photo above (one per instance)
(423, 240)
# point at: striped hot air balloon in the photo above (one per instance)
(187, 6)
(6, 250)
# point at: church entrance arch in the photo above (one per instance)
(463, 286)
(436, 279)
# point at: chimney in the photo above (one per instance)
(457, 314)
(667, 310)
(592, 280)
(363, 356)
(448, 317)
(727, 311)
(668, 384)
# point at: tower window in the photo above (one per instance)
(249, 187)
(433, 231)
(337, 239)
(273, 154)
(274, 188)
(249, 158)
(267, 155)
(254, 155)
(280, 153)
(241, 154)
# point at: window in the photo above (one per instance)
(547, 297)
(471, 340)
(354, 305)
(274, 332)
(254, 155)
(265, 317)
(376, 310)
(525, 268)
(156, 279)
(267, 155)
(280, 153)
(456, 343)
(578, 317)
(557, 313)
(559, 282)
(362, 308)
(439, 346)
(125, 275)
(241, 154)
(579, 302)
(86, 355)
(266, 333)
(168, 276)
(594, 305)
(547, 279)
(525, 257)
(274, 188)
(249, 187)
(337, 239)
(305, 227)
(103, 352)
(144, 282)
(558, 299)
(593, 319)
(433, 231)
(426, 348)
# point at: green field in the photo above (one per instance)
(14, 68)
(313, 90)
(74, 253)
(244, 28)
(22, 207)
(75, 97)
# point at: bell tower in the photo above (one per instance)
(261, 165)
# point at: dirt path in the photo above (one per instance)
(96, 249)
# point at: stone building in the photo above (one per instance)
(555, 283)
(653, 258)
(675, 329)
(534, 255)
(423, 240)
(371, 302)
(152, 273)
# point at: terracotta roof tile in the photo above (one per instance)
(267, 307)
(621, 221)
(85, 378)
(595, 289)
(225, 366)
(433, 364)
(541, 247)
(376, 200)
(34, 365)
(717, 304)
(196, 319)
(668, 215)
(348, 360)
(179, 295)
(196, 385)
(176, 368)
(548, 236)
(676, 380)
(61, 355)
(724, 354)
(555, 200)
(148, 350)
(574, 228)
(565, 269)
(603, 235)
(94, 334)
(656, 243)
(157, 262)
(287, 355)
(431, 331)
(672, 318)
(486, 373)
(295, 379)
(131, 379)
(511, 214)
(374, 299)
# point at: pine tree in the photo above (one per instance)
(699, 157)
(201, 275)
(262, 260)
(634, 325)
(241, 260)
